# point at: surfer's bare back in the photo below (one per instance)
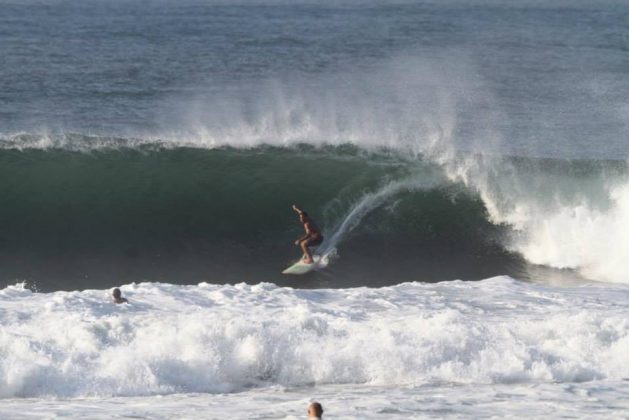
(312, 237)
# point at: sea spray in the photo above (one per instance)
(367, 203)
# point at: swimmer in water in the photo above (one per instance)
(117, 295)
(315, 410)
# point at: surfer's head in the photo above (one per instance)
(315, 410)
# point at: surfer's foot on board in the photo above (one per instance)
(307, 260)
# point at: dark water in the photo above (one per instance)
(76, 220)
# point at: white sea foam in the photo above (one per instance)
(591, 400)
(559, 220)
(221, 338)
(585, 237)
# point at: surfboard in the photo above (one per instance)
(300, 267)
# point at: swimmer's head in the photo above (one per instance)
(315, 410)
(117, 294)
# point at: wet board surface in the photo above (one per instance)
(300, 267)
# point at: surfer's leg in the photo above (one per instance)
(307, 254)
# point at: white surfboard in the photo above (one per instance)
(300, 267)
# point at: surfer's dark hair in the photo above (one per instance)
(116, 292)
(303, 213)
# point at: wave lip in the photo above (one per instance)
(209, 338)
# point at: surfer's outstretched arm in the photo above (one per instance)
(297, 209)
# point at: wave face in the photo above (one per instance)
(222, 338)
(75, 220)
(83, 219)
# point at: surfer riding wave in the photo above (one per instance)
(313, 236)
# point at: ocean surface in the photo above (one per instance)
(467, 162)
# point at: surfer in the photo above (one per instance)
(117, 295)
(312, 237)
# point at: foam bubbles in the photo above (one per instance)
(211, 338)
(563, 217)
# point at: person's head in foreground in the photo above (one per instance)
(315, 411)
(118, 296)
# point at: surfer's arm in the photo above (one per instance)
(297, 209)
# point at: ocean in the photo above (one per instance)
(467, 162)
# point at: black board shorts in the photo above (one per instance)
(314, 241)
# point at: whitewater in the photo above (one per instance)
(365, 352)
